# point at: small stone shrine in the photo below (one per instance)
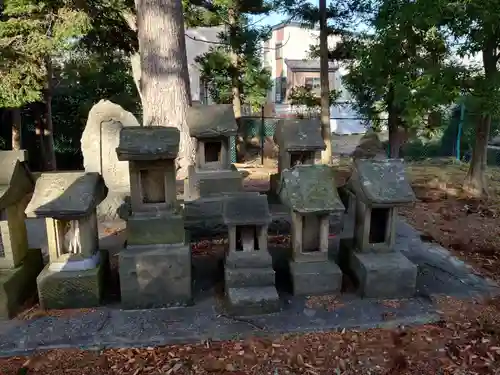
(380, 186)
(249, 274)
(19, 266)
(155, 267)
(74, 276)
(213, 175)
(309, 192)
(299, 140)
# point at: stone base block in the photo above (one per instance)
(203, 184)
(389, 275)
(18, 284)
(274, 182)
(249, 259)
(252, 301)
(72, 289)
(154, 230)
(155, 276)
(315, 278)
(248, 277)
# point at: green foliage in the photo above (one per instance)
(303, 95)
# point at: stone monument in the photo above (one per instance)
(155, 267)
(309, 192)
(213, 175)
(74, 276)
(19, 266)
(380, 186)
(249, 274)
(298, 142)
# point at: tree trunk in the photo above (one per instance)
(475, 182)
(39, 131)
(16, 128)
(135, 62)
(164, 77)
(326, 155)
(392, 124)
(48, 134)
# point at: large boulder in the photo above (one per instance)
(99, 141)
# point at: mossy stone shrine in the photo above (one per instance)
(76, 270)
(19, 266)
(155, 267)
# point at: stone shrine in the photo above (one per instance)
(299, 140)
(249, 274)
(380, 186)
(213, 175)
(309, 192)
(74, 276)
(19, 266)
(155, 267)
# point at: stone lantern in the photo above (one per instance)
(68, 200)
(380, 186)
(310, 193)
(155, 267)
(249, 274)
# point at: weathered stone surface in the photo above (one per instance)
(310, 189)
(389, 275)
(300, 135)
(18, 284)
(99, 141)
(315, 278)
(381, 182)
(148, 143)
(249, 259)
(211, 121)
(72, 289)
(249, 277)
(246, 209)
(253, 301)
(369, 147)
(15, 178)
(155, 230)
(155, 276)
(66, 195)
(210, 183)
(116, 206)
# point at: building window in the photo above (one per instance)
(278, 51)
(314, 84)
(283, 88)
(277, 90)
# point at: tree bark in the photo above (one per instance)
(326, 155)
(164, 76)
(16, 128)
(392, 124)
(475, 182)
(48, 134)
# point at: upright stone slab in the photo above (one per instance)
(249, 274)
(19, 266)
(310, 194)
(380, 186)
(74, 276)
(155, 267)
(298, 141)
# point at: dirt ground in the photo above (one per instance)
(465, 341)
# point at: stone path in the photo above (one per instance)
(439, 273)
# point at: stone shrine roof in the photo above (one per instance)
(148, 143)
(300, 135)
(66, 195)
(211, 121)
(246, 209)
(381, 182)
(15, 178)
(310, 189)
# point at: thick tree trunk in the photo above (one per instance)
(39, 131)
(392, 125)
(326, 155)
(135, 62)
(164, 77)
(16, 128)
(48, 134)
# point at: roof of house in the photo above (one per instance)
(310, 189)
(247, 208)
(148, 143)
(309, 65)
(210, 121)
(66, 195)
(287, 24)
(381, 182)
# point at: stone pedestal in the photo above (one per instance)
(155, 276)
(211, 183)
(315, 276)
